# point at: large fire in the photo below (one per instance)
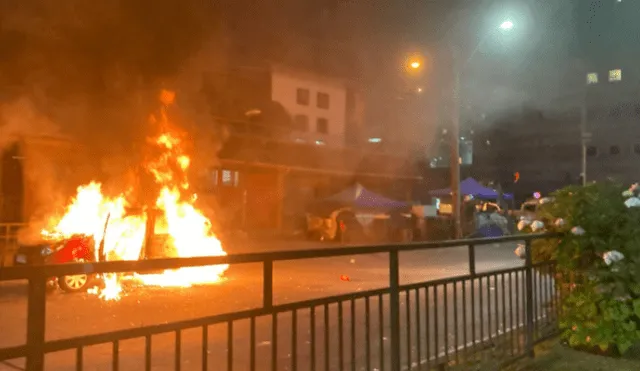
(122, 237)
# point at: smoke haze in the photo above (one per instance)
(95, 68)
(91, 72)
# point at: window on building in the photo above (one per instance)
(301, 122)
(323, 100)
(592, 151)
(302, 96)
(615, 75)
(614, 150)
(636, 149)
(215, 178)
(230, 178)
(322, 126)
(592, 78)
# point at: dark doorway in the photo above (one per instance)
(12, 185)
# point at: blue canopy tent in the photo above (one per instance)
(359, 198)
(471, 187)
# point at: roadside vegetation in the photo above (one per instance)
(553, 356)
(598, 275)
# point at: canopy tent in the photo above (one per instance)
(358, 197)
(471, 187)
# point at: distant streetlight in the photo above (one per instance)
(458, 68)
(253, 113)
(506, 25)
(375, 140)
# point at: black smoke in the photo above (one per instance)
(95, 67)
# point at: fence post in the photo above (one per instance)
(5, 243)
(472, 259)
(529, 341)
(36, 314)
(394, 310)
(267, 284)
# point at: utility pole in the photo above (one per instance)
(584, 135)
(456, 204)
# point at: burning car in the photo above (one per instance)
(80, 248)
(76, 249)
(153, 215)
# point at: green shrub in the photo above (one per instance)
(598, 256)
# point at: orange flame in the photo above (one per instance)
(189, 231)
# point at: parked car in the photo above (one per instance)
(528, 210)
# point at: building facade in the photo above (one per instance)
(272, 167)
(324, 110)
(607, 39)
(601, 81)
(269, 184)
(529, 151)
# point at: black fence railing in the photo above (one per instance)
(8, 241)
(458, 321)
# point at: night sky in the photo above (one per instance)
(111, 48)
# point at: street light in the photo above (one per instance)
(506, 25)
(458, 69)
(414, 64)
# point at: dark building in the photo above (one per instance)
(607, 38)
(529, 151)
(600, 77)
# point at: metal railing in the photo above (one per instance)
(419, 326)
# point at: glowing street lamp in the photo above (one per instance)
(414, 64)
(506, 25)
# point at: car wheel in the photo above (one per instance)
(75, 283)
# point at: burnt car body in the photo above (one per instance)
(80, 249)
(76, 249)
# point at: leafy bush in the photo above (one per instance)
(599, 256)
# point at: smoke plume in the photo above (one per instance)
(92, 71)
(20, 118)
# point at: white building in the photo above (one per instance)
(324, 110)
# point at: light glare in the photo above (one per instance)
(506, 25)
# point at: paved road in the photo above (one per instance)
(84, 314)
